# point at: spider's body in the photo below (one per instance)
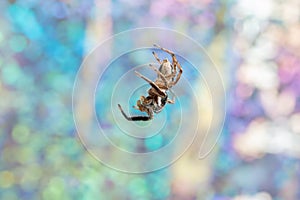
(166, 69)
(157, 98)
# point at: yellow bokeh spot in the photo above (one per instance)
(7, 179)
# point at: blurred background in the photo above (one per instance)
(256, 46)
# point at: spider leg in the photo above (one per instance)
(142, 104)
(159, 74)
(135, 118)
(160, 92)
(164, 49)
(171, 101)
(156, 57)
(176, 63)
(171, 76)
(135, 107)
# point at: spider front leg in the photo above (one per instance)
(164, 49)
(156, 57)
(136, 118)
(176, 63)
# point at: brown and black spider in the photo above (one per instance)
(167, 77)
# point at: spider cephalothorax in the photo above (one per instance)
(167, 77)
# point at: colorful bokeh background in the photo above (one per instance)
(255, 44)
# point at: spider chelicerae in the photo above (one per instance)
(168, 75)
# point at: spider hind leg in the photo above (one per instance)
(134, 118)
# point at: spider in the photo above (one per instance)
(167, 77)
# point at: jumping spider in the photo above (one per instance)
(167, 77)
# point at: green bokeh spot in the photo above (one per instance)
(20, 133)
(11, 73)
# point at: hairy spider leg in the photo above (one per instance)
(156, 57)
(171, 101)
(164, 49)
(159, 91)
(136, 118)
(142, 103)
(176, 63)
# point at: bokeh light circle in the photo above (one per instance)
(99, 123)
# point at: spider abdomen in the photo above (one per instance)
(166, 68)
